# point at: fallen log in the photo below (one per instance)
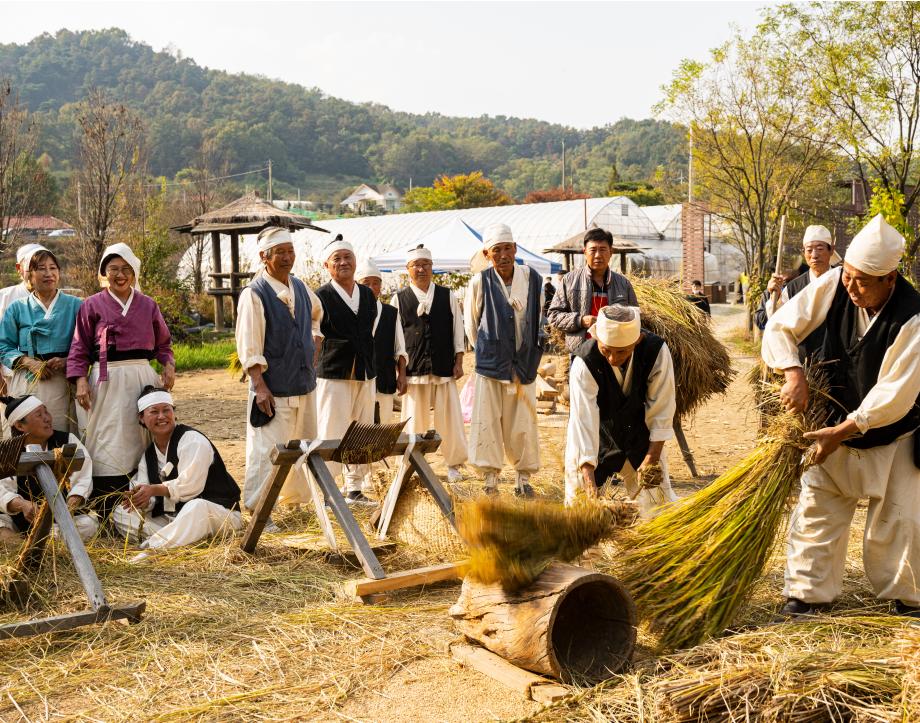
(571, 624)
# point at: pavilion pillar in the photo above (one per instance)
(235, 271)
(217, 282)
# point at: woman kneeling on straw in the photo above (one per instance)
(621, 389)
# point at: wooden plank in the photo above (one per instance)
(131, 612)
(346, 520)
(54, 495)
(545, 390)
(319, 508)
(19, 587)
(28, 460)
(547, 693)
(496, 667)
(431, 482)
(403, 474)
(267, 501)
(403, 579)
(423, 444)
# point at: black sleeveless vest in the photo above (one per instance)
(854, 364)
(811, 345)
(384, 344)
(623, 432)
(219, 487)
(429, 353)
(29, 488)
(349, 341)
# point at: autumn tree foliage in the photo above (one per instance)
(548, 195)
(469, 190)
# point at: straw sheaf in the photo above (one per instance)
(702, 365)
(691, 568)
(418, 521)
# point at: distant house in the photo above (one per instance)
(366, 198)
(38, 226)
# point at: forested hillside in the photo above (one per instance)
(311, 138)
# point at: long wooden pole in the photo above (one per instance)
(779, 257)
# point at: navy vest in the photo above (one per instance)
(288, 345)
(348, 346)
(429, 353)
(29, 488)
(384, 346)
(623, 432)
(219, 487)
(496, 356)
(854, 364)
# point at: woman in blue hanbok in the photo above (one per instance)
(35, 337)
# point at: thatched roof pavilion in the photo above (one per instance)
(248, 214)
(574, 246)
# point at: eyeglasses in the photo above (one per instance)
(119, 271)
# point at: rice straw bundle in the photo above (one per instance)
(702, 366)
(692, 567)
(910, 653)
(802, 672)
(512, 542)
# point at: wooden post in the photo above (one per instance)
(266, 502)
(685, 448)
(234, 270)
(217, 281)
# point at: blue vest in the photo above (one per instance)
(288, 342)
(496, 356)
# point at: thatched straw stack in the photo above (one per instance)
(512, 542)
(691, 568)
(702, 366)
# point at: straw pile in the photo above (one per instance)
(702, 366)
(691, 568)
(512, 542)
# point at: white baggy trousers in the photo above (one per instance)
(820, 525)
(196, 520)
(504, 424)
(437, 406)
(338, 402)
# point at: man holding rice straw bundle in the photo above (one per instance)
(503, 309)
(433, 327)
(277, 332)
(622, 403)
(872, 448)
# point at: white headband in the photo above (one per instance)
(339, 244)
(273, 236)
(148, 400)
(24, 408)
(367, 269)
(25, 253)
(419, 252)
(616, 333)
(877, 249)
(497, 233)
(123, 250)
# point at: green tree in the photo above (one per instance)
(470, 190)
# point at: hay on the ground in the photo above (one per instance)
(512, 542)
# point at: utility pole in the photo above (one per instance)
(563, 164)
(269, 180)
(690, 169)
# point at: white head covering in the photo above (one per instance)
(123, 250)
(817, 233)
(25, 253)
(273, 236)
(497, 233)
(25, 407)
(877, 249)
(419, 252)
(156, 397)
(614, 333)
(367, 268)
(337, 244)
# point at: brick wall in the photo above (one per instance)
(693, 238)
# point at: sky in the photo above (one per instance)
(583, 64)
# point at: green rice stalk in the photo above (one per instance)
(702, 365)
(512, 542)
(691, 568)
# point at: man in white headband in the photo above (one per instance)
(182, 492)
(818, 252)
(503, 308)
(21, 496)
(621, 411)
(433, 327)
(10, 294)
(277, 335)
(870, 449)
(347, 363)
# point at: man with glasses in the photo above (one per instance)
(433, 329)
(277, 334)
(586, 290)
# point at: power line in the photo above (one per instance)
(205, 180)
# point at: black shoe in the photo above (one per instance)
(795, 608)
(525, 491)
(357, 498)
(902, 608)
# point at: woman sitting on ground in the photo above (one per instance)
(20, 496)
(118, 332)
(182, 492)
(35, 339)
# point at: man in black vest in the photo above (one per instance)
(347, 358)
(872, 346)
(182, 492)
(277, 332)
(621, 410)
(433, 327)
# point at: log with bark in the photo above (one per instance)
(572, 624)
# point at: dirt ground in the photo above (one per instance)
(304, 654)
